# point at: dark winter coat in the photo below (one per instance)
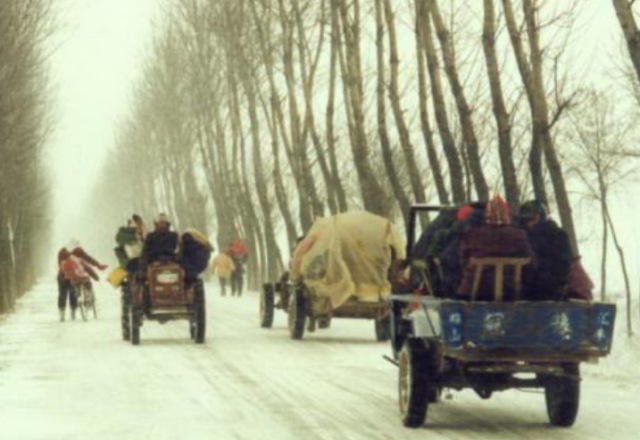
(491, 241)
(194, 257)
(159, 246)
(553, 260)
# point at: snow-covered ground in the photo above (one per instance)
(78, 380)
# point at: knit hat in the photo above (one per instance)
(497, 212)
(464, 212)
(530, 209)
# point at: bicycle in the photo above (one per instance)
(86, 299)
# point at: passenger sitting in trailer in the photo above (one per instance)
(497, 258)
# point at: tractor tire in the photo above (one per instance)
(136, 322)
(125, 318)
(200, 328)
(415, 383)
(297, 313)
(267, 306)
(562, 395)
(383, 329)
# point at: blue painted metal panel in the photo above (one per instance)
(567, 327)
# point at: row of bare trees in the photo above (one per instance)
(253, 117)
(24, 128)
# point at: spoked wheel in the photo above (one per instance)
(297, 313)
(383, 329)
(267, 306)
(562, 395)
(414, 384)
(199, 326)
(135, 319)
(91, 298)
(81, 296)
(125, 318)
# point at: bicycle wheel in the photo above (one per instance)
(81, 295)
(91, 297)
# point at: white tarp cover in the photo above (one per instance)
(347, 255)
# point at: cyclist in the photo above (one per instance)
(73, 259)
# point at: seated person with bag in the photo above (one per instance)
(195, 253)
(497, 258)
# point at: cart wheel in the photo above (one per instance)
(124, 314)
(200, 329)
(383, 329)
(562, 395)
(267, 306)
(297, 313)
(414, 384)
(135, 319)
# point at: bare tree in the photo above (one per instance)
(601, 134)
(464, 110)
(502, 117)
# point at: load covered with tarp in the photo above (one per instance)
(347, 255)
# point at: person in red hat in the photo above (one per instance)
(496, 238)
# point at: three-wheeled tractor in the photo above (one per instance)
(163, 295)
(491, 346)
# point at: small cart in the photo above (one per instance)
(306, 310)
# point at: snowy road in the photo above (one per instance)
(77, 380)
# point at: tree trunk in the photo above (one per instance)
(464, 111)
(535, 155)
(624, 12)
(625, 273)
(448, 143)
(385, 144)
(330, 112)
(505, 146)
(372, 192)
(394, 95)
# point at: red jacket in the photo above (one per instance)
(64, 253)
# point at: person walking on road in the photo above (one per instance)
(223, 267)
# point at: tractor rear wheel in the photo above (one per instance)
(200, 313)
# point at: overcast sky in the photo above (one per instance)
(99, 47)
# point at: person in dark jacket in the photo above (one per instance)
(65, 287)
(445, 251)
(195, 253)
(159, 245)
(552, 250)
(496, 238)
